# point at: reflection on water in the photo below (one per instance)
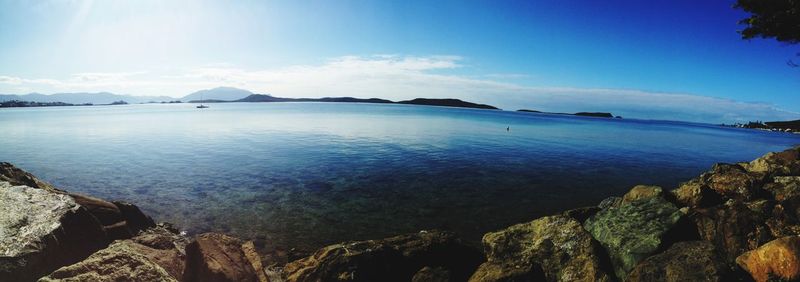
(308, 174)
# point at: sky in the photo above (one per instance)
(680, 59)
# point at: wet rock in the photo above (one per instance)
(779, 258)
(640, 192)
(218, 257)
(559, 244)
(392, 259)
(683, 261)
(41, 230)
(121, 261)
(734, 227)
(431, 274)
(777, 164)
(635, 230)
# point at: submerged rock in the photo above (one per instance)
(779, 258)
(392, 259)
(683, 261)
(121, 261)
(218, 257)
(556, 246)
(634, 230)
(41, 231)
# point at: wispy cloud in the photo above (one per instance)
(403, 77)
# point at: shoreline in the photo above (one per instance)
(727, 221)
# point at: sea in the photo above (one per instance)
(299, 176)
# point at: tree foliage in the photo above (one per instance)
(779, 19)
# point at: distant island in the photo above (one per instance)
(585, 114)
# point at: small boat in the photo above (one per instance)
(202, 106)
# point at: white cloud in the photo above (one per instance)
(404, 77)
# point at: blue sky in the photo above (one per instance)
(648, 59)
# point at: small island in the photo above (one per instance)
(584, 114)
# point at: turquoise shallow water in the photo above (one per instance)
(308, 174)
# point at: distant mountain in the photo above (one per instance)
(270, 98)
(447, 103)
(219, 93)
(82, 98)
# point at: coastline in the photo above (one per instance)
(729, 221)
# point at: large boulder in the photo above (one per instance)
(695, 193)
(218, 257)
(41, 230)
(635, 230)
(683, 261)
(120, 220)
(642, 192)
(121, 261)
(777, 164)
(734, 227)
(779, 258)
(722, 182)
(163, 246)
(556, 246)
(392, 259)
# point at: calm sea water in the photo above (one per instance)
(303, 175)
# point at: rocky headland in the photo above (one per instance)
(735, 222)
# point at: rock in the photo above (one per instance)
(733, 228)
(581, 214)
(640, 192)
(733, 182)
(777, 164)
(254, 259)
(431, 274)
(120, 220)
(498, 272)
(41, 230)
(15, 176)
(218, 257)
(134, 217)
(121, 261)
(784, 188)
(162, 237)
(392, 259)
(610, 202)
(163, 246)
(696, 194)
(559, 244)
(683, 261)
(779, 258)
(636, 230)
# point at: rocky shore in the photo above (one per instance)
(736, 222)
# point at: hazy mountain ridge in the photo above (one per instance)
(84, 97)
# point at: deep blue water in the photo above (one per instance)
(308, 174)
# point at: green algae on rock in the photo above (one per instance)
(558, 244)
(633, 231)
